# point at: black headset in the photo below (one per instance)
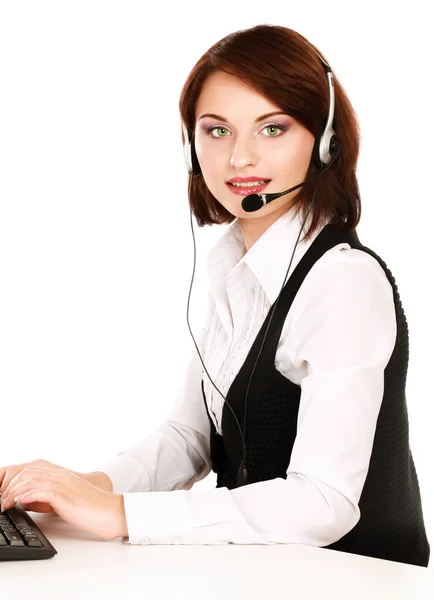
(325, 151)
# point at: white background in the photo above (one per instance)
(96, 248)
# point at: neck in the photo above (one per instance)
(252, 229)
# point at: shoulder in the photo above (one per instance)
(345, 278)
(345, 311)
(342, 268)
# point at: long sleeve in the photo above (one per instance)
(342, 333)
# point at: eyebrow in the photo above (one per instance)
(219, 118)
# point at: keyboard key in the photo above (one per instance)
(13, 538)
(33, 541)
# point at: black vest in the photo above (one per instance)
(391, 524)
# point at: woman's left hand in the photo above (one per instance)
(73, 498)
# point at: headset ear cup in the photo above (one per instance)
(186, 148)
(194, 161)
(315, 152)
(335, 147)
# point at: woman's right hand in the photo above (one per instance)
(8, 473)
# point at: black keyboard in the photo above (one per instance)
(21, 538)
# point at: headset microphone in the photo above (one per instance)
(254, 202)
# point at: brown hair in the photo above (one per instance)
(281, 65)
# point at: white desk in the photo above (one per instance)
(88, 567)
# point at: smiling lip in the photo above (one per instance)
(245, 191)
(246, 179)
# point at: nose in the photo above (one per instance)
(243, 154)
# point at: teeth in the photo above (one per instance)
(250, 184)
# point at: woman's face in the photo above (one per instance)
(237, 145)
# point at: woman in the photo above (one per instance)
(304, 366)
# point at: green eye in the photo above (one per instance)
(214, 128)
(272, 127)
(275, 130)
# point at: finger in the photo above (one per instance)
(61, 476)
(2, 474)
(19, 488)
(27, 471)
(38, 495)
(9, 473)
(28, 485)
(56, 499)
(10, 480)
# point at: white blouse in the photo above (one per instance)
(336, 341)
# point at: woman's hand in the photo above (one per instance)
(73, 498)
(8, 473)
